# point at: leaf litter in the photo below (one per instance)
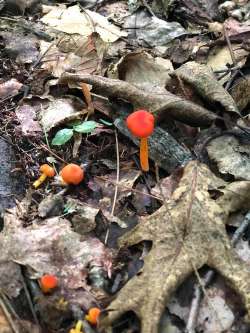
(81, 71)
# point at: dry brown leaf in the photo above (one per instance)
(144, 71)
(231, 156)
(26, 115)
(202, 80)
(187, 231)
(60, 111)
(10, 88)
(72, 20)
(50, 247)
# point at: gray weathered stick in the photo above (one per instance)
(163, 105)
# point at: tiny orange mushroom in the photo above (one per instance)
(47, 171)
(141, 124)
(48, 283)
(93, 316)
(72, 174)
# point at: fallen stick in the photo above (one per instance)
(162, 105)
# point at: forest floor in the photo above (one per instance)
(160, 250)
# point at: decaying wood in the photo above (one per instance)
(162, 105)
(196, 219)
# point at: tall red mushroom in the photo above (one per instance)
(141, 124)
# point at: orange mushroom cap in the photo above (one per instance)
(93, 316)
(140, 123)
(48, 282)
(47, 170)
(72, 174)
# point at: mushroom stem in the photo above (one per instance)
(144, 154)
(40, 180)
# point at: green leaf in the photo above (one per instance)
(62, 137)
(86, 126)
(107, 123)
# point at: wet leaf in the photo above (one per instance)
(62, 137)
(86, 126)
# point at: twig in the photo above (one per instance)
(194, 309)
(31, 306)
(7, 314)
(129, 188)
(117, 172)
(229, 46)
(117, 181)
(145, 4)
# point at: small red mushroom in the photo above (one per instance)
(47, 171)
(72, 174)
(48, 283)
(93, 316)
(141, 124)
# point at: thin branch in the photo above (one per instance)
(117, 181)
(8, 315)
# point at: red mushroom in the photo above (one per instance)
(93, 316)
(48, 283)
(72, 174)
(141, 124)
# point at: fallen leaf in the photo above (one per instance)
(10, 88)
(84, 215)
(50, 247)
(240, 90)
(219, 58)
(199, 12)
(207, 321)
(142, 70)
(126, 182)
(167, 185)
(26, 115)
(51, 205)
(204, 83)
(151, 30)
(79, 54)
(231, 156)
(237, 31)
(183, 233)
(72, 21)
(23, 49)
(60, 111)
